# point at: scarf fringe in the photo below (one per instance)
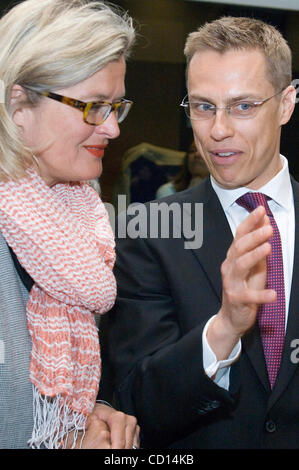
(54, 420)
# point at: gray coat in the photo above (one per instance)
(16, 415)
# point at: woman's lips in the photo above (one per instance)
(96, 150)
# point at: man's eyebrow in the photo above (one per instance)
(230, 99)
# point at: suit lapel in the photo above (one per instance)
(216, 234)
(253, 347)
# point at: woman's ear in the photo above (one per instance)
(18, 99)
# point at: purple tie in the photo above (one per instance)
(271, 317)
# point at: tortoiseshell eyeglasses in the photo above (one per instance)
(94, 112)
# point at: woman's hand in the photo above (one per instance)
(106, 428)
(124, 430)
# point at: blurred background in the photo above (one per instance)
(156, 83)
(151, 148)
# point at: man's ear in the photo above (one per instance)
(18, 99)
(288, 104)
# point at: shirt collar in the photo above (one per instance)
(279, 189)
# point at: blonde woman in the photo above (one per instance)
(62, 66)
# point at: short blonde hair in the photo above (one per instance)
(241, 33)
(52, 44)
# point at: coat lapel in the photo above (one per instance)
(216, 234)
(253, 347)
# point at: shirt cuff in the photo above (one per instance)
(210, 363)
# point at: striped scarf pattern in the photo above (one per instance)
(63, 239)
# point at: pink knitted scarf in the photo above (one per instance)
(63, 239)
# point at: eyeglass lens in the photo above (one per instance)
(98, 113)
(238, 110)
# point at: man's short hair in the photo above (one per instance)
(241, 33)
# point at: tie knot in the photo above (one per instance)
(251, 201)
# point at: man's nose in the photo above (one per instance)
(221, 125)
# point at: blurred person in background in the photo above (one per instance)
(193, 172)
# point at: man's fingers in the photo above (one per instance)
(257, 297)
(238, 270)
(254, 220)
(249, 260)
(251, 240)
(246, 240)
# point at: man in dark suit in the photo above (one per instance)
(192, 333)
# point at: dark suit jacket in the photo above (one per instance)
(166, 294)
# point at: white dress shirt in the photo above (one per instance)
(279, 189)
